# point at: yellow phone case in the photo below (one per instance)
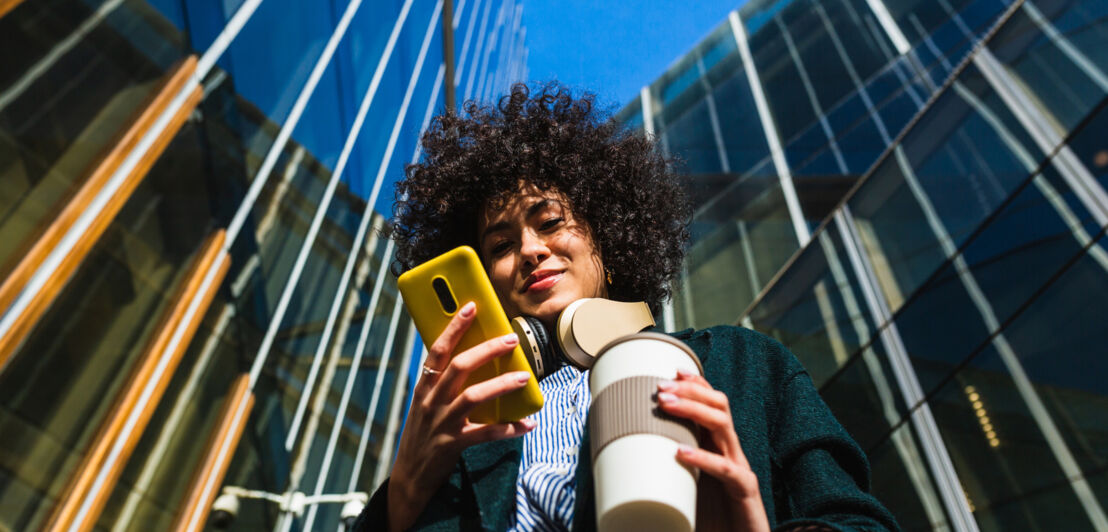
(461, 271)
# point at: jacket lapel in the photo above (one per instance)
(492, 469)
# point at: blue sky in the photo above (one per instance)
(614, 47)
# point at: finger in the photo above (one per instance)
(704, 415)
(738, 479)
(438, 355)
(474, 433)
(685, 375)
(718, 422)
(697, 392)
(465, 363)
(495, 387)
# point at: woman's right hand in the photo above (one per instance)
(438, 428)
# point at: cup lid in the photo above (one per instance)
(653, 336)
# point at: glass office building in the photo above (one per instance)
(911, 196)
(196, 293)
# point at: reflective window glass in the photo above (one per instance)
(788, 101)
(73, 78)
(631, 115)
(691, 138)
(923, 11)
(817, 53)
(1022, 247)
(903, 483)
(741, 127)
(172, 447)
(955, 167)
(1064, 78)
(741, 238)
(1012, 476)
(1091, 148)
(865, 396)
(89, 342)
(816, 308)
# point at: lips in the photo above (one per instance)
(542, 280)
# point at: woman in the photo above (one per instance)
(562, 204)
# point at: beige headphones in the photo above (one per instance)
(582, 330)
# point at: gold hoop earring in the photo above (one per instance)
(608, 271)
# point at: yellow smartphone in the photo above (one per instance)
(435, 291)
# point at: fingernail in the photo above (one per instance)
(667, 386)
(468, 310)
(667, 398)
(522, 377)
(510, 339)
(684, 449)
(528, 423)
(685, 374)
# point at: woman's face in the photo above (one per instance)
(539, 257)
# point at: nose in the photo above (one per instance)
(533, 249)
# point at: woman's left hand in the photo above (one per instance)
(727, 493)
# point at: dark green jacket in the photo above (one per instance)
(809, 469)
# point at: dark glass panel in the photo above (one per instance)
(902, 482)
(1059, 342)
(816, 308)
(155, 480)
(1091, 146)
(817, 54)
(1066, 81)
(631, 116)
(898, 111)
(88, 343)
(1008, 471)
(743, 136)
(1025, 244)
(1020, 249)
(889, 81)
(865, 397)
(894, 233)
(940, 328)
(784, 90)
(866, 45)
(73, 77)
(847, 113)
(927, 17)
(690, 137)
(861, 146)
(958, 163)
(740, 239)
(800, 149)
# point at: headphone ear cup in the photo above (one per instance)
(537, 345)
(587, 325)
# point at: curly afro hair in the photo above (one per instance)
(618, 183)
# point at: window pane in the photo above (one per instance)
(740, 239)
(902, 482)
(1064, 78)
(73, 78)
(88, 343)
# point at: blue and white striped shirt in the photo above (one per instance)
(545, 488)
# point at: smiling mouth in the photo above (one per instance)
(544, 281)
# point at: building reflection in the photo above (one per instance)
(910, 196)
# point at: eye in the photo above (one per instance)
(500, 247)
(550, 223)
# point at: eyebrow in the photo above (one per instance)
(502, 225)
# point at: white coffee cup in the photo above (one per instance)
(639, 483)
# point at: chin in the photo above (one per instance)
(548, 310)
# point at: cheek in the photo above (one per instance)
(501, 273)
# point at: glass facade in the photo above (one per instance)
(196, 291)
(910, 195)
